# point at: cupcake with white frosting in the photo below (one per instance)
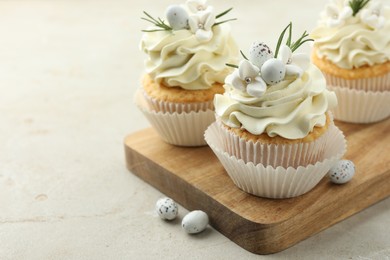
(352, 49)
(185, 68)
(273, 133)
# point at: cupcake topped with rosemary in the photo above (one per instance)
(189, 49)
(186, 52)
(352, 49)
(273, 133)
(354, 33)
(275, 92)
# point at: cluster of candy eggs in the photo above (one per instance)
(194, 222)
(272, 70)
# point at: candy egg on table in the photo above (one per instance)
(195, 222)
(342, 172)
(259, 53)
(273, 71)
(167, 208)
(177, 17)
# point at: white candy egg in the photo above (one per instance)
(177, 17)
(259, 53)
(166, 208)
(273, 71)
(342, 172)
(195, 222)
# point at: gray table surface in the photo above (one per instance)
(68, 71)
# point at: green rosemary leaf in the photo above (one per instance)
(298, 42)
(288, 42)
(146, 19)
(161, 20)
(292, 45)
(296, 47)
(223, 13)
(154, 30)
(233, 19)
(243, 55)
(151, 17)
(357, 5)
(280, 40)
(156, 22)
(231, 65)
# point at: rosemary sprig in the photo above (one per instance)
(228, 20)
(162, 26)
(292, 45)
(157, 22)
(223, 13)
(231, 65)
(299, 42)
(281, 39)
(288, 42)
(236, 66)
(357, 5)
(243, 55)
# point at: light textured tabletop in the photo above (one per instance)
(68, 72)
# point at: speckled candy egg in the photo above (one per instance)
(177, 17)
(273, 71)
(166, 208)
(342, 172)
(259, 53)
(195, 222)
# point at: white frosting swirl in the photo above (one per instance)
(289, 109)
(353, 44)
(179, 59)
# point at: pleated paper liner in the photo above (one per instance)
(277, 182)
(381, 83)
(182, 129)
(171, 107)
(293, 155)
(359, 106)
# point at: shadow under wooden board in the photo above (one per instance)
(195, 179)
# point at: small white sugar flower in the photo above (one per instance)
(372, 16)
(247, 79)
(337, 15)
(197, 5)
(296, 63)
(201, 24)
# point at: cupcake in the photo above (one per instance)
(352, 49)
(185, 68)
(274, 134)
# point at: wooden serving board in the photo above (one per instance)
(195, 178)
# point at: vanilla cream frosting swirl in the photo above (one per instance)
(178, 58)
(353, 44)
(289, 109)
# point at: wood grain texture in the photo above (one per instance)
(195, 178)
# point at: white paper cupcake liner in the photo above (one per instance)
(270, 182)
(381, 83)
(171, 107)
(359, 106)
(285, 155)
(182, 129)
